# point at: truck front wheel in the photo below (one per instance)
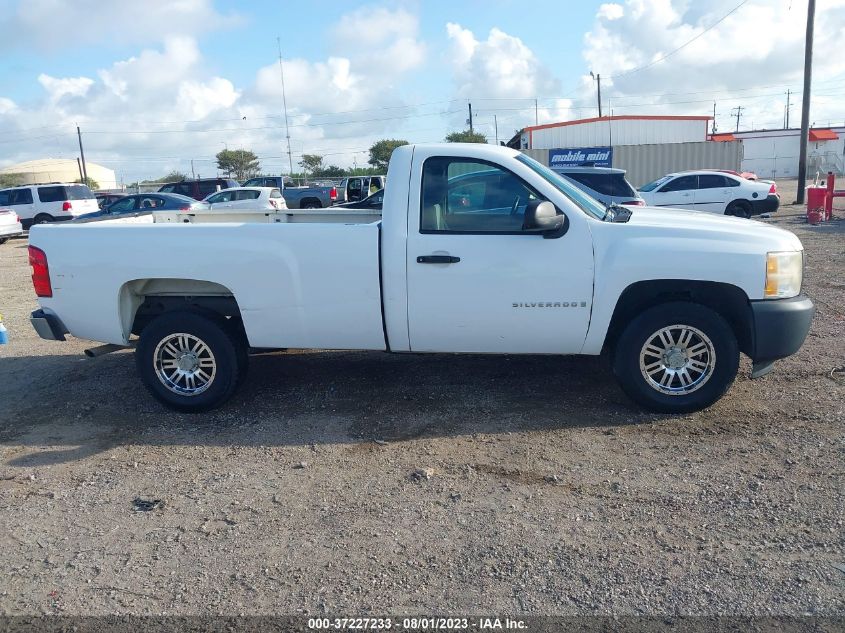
(676, 358)
(188, 361)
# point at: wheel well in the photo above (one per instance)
(728, 301)
(143, 300)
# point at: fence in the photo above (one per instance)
(644, 163)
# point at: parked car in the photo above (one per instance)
(705, 190)
(269, 198)
(555, 275)
(144, 203)
(200, 188)
(10, 225)
(606, 184)
(357, 188)
(374, 201)
(53, 202)
(105, 199)
(310, 197)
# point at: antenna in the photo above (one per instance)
(285, 103)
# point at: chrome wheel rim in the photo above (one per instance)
(184, 364)
(677, 360)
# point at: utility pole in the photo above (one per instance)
(536, 113)
(496, 128)
(714, 118)
(82, 153)
(786, 118)
(193, 173)
(738, 111)
(598, 83)
(79, 165)
(805, 104)
(469, 120)
(285, 104)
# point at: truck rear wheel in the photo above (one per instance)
(676, 358)
(189, 361)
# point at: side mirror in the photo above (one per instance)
(541, 216)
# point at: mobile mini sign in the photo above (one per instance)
(597, 156)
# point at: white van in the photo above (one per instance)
(53, 202)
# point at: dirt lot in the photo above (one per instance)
(536, 496)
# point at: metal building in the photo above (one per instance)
(34, 172)
(774, 153)
(624, 129)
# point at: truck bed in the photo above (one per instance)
(288, 216)
(299, 285)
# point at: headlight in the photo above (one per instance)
(784, 273)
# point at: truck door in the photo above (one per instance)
(476, 281)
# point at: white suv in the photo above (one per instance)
(53, 202)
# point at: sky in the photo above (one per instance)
(155, 85)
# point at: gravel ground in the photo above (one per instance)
(365, 483)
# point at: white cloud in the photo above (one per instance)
(155, 110)
(611, 11)
(737, 62)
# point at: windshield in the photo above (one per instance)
(654, 184)
(579, 198)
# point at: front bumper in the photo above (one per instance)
(48, 326)
(768, 205)
(779, 327)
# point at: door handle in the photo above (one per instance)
(437, 259)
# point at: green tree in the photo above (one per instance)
(173, 176)
(330, 171)
(466, 136)
(311, 163)
(92, 184)
(240, 163)
(381, 150)
(11, 180)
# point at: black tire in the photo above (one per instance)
(311, 204)
(631, 361)
(43, 218)
(739, 208)
(3, 240)
(226, 356)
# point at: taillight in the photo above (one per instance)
(186, 207)
(773, 188)
(67, 206)
(333, 194)
(635, 203)
(17, 218)
(40, 272)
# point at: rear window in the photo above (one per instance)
(79, 192)
(612, 184)
(249, 194)
(51, 194)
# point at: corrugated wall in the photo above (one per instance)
(645, 163)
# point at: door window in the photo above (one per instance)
(464, 196)
(249, 194)
(223, 196)
(4, 198)
(682, 183)
(206, 188)
(20, 196)
(712, 181)
(124, 205)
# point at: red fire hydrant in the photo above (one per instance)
(816, 197)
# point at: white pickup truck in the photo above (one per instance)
(479, 249)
